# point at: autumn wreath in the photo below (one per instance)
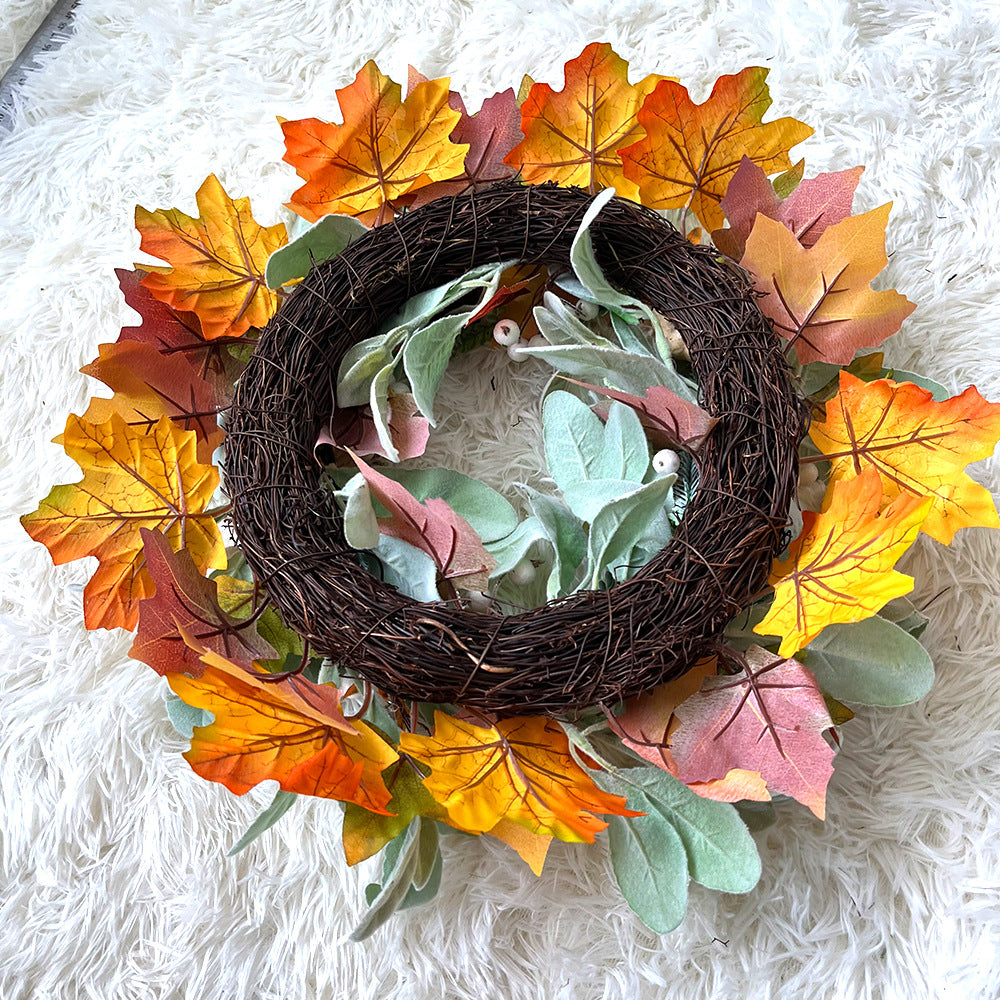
(660, 629)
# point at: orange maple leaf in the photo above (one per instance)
(519, 769)
(820, 299)
(691, 151)
(291, 731)
(386, 148)
(840, 568)
(919, 447)
(132, 479)
(216, 261)
(572, 136)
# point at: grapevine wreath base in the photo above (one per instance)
(593, 647)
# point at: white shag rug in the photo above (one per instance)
(114, 882)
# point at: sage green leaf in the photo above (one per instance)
(620, 369)
(426, 356)
(938, 391)
(584, 263)
(756, 815)
(423, 895)
(378, 400)
(871, 662)
(511, 549)
(185, 718)
(427, 851)
(569, 542)
(560, 325)
(619, 525)
(626, 443)
(321, 241)
(280, 804)
(361, 363)
(574, 441)
(360, 523)
(398, 870)
(721, 854)
(630, 336)
(405, 567)
(904, 613)
(589, 496)
(651, 868)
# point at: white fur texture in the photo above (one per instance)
(113, 879)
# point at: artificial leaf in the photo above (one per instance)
(177, 333)
(403, 566)
(132, 479)
(216, 261)
(385, 149)
(354, 427)
(433, 527)
(291, 731)
(873, 662)
(365, 833)
(669, 420)
(561, 326)
(183, 717)
(518, 769)
(532, 847)
(819, 380)
(324, 239)
(918, 446)
(621, 524)
(491, 133)
(572, 136)
(397, 882)
(769, 718)
(691, 151)
(820, 299)
(569, 542)
(720, 853)
(814, 205)
(513, 548)
(840, 569)
(280, 804)
(148, 385)
(186, 602)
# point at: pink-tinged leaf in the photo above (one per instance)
(174, 333)
(187, 603)
(814, 206)
(353, 427)
(433, 527)
(504, 294)
(770, 718)
(491, 134)
(820, 298)
(669, 421)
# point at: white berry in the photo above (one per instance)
(506, 332)
(538, 341)
(523, 573)
(666, 462)
(587, 310)
(516, 351)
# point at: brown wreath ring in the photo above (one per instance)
(591, 647)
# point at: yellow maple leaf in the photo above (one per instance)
(216, 261)
(519, 769)
(918, 445)
(291, 731)
(533, 848)
(820, 298)
(691, 151)
(385, 149)
(840, 569)
(572, 136)
(132, 480)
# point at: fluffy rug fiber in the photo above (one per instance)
(114, 878)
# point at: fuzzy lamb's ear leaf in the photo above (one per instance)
(403, 566)
(569, 542)
(321, 241)
(511, 549)
(280, 804)
(873, 662)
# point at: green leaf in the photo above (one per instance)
(619, 525)
(378, 400)
(756, 815)
(569, 542)
(184, 717)
(427, 852)
(871, 662)
(511, 549)
(360, 523)
(574, 441)
(630, 337)
(426, 356)
(620, 369)
(903, 612)
(626, 444)
(585, 266)
(589, 496)
(423, 895)
(938, 391)
(280, 804)
(398, 870)
(560, 325)
(405, 567)
(321, 241)
(361, 363)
